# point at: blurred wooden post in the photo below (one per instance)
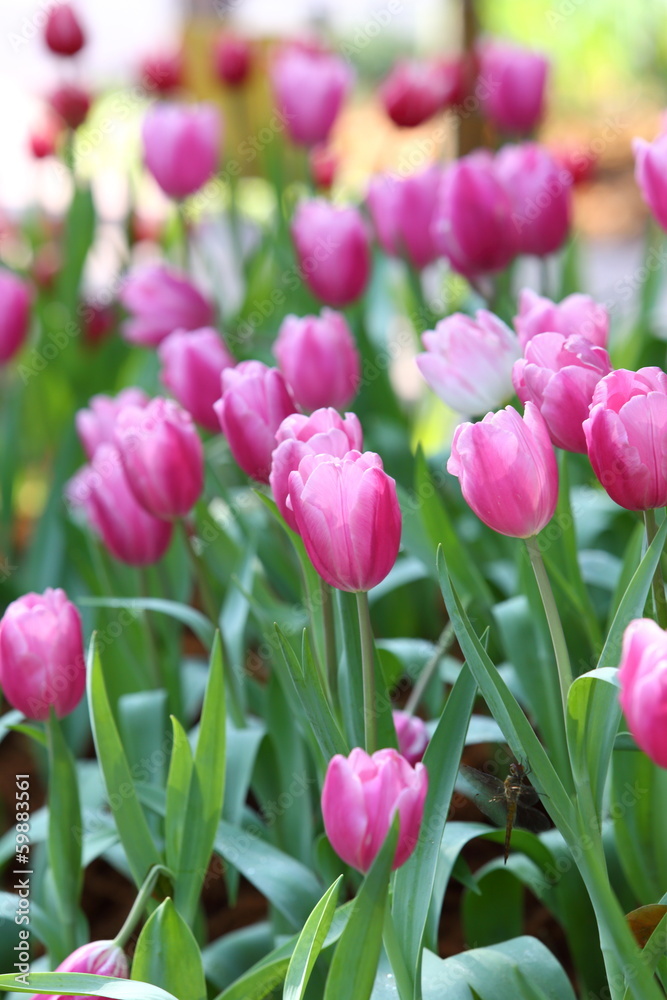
(470, 132)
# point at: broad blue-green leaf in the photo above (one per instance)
(200, 625)
(178, 789)
(593, 715)
(64, 849)
(310, 944)
(168, 956)
(80, 984)
(258, 983)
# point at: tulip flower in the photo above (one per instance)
(507, 469)
(42, 665)
(412, 736)
(14, 314)
(513, 79)
(347, 513)
(309, 88)
(402, 210)
(95, 425)
(255, 400)
(99, 958)
(643, 680)
(333, 250)
(324, 432)
(559, 374)
(577, 315)
(161, 300)
(162, 456)
(72, 103)
(468, 363)
(43, 138)
(232, 59)
(472, 224)
(540, 191)
(181, 146)
(192, 363)
(63, 33)
(416, 90)
(651, 174)
(98, 322)
(323, 164)
(625, 433)
(361, 796)
(319, 358)
(162, 73)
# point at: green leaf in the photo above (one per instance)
(593, 715)
(258, 982)
(495, 912)
(75, 984)
(195, 620)
(64, 817)
(310, 943)
(168, 956)
(178, 788)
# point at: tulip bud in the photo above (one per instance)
(98, 322)
(323, 164)
(507, 469)
(643, 680)
(95, 425)
(161, 300)
(232, 59)
(43, 139)
(468, 363)
(511, 86)
(63, 33)
(402, 210)
(333, 250)
(99, 958)
(309, 88)
(181, 146)
(255, 400)
(319, 358)
(559, 374)
(162, 73)
(416, 90)
(72, 103)
(361, 796)
(162, 456)
(540, 192)
(42, 665)
(412, 736)
(625, 433)
(192, 363)
(577, 315)
(14, 314)
(324, 432)
(347, 513)
(651, 174)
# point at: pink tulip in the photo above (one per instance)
(651, 174)
(643, 680)
(42, 665)
(333, 249)
(319, 358)
(361, 796)
(540, 191)
(559, 374)
(402, 210)
(95, 425)
(162, 73)
(514, 82)
(507, 469)
(468, 363)
(412, 736)
(161, 300)
(192, 363)
(625, 434)
(63, 33)
(181, 145)
(129, 533)
(72, 103)
(309, 89)
(347, 513)
(232, 59)
(162, 456)
(577, 315)
(324, 432)
(14, 314)
(472, 224)
(416, 90)
(255, 400)
(99, 958)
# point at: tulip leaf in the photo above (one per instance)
(168, 956)
(178, 787)
(259, 982)
(195, 620)
(310, 943)
(79, 984)
(64, 819)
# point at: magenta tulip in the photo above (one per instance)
(361, 796)
(415, 90)
(232, 59)
(192, 363)
(412, 736)
(577, 315)
(319, 358)
(402, 210)
(255, 400)
(468, 362)
(625, 434)
(513, 90)
(99, 958)
(63, 33)
(42, 665)
(181, 145)
(161, 300)
(324, 432)
(540, 191)
(162, 72)
(643, 680)
(347, 513)
(651, 174)
(559, 374)
(472, 225)
(71, 102)
(162, 456)
(309, 89)
(333, 249)
(14, 314)
(95, 424)
(507, 469)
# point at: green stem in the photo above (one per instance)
(392, 946)
(152, 641)
(368, 671)
(659, 599)
(553, 620)
(329, 641)
(184, 226)
(444, 642)
(139, 905)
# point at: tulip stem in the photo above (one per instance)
(368, 671)
(392, 946)
(139, 905)
(329, 641)
(659, 600)
(553, 619)
(444, 642)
